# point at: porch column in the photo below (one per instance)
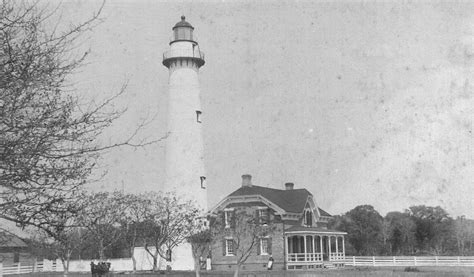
(313, 255)
(329, 247)
(343, 248)
(321, 245)
(337, 248)
(286, 248)
(305, 249)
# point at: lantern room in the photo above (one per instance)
(183, 30)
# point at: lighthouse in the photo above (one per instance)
(185, 173)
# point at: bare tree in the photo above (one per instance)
(245, 232)
(48, 136)
(172, 222)
(61, 234)
(62, 246)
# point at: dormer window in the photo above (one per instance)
(308, 218)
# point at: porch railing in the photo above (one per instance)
(313, 257)
(337, 256)
(304, 257)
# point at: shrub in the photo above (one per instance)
(411, 269)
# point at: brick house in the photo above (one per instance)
(300, 240)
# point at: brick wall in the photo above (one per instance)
(255, 261)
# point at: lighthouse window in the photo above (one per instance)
(203, 182)
(198, 116)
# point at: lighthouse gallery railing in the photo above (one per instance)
(196, 53)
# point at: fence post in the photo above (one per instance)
(353, 260)
(394, 260)
(35, 265)
(18, 268)
(373, 260)
(1, 269)
(414, 260)
(459, 260)
(436, 260)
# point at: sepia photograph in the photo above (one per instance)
(236, 138)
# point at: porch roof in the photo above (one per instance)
(294, 230)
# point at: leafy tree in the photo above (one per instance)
(401, 233)
(101, 217)
(171, 222)
(464, 232)
(137, 210)
(200, 243)
(434, 228)
(341, 223)
(364, 227)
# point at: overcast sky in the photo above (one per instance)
(360, 103)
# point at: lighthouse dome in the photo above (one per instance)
(183, 23)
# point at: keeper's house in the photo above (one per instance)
(301, 239)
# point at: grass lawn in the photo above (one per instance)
(347, 271)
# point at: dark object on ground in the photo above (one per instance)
(99, 269)
(411, 269)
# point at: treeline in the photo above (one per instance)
(419, 230)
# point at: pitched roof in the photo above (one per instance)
(292, 201)
(323, 212)
(10, 240)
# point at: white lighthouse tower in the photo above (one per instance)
(185, 173)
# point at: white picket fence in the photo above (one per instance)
(57, 266)
(20, 269)
(410, 261)
(126, 264)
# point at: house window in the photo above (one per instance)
(228, 218)
(203, 182)
(198, 116)
(263, 215)
(308, 218)
(264, 249)
(229, 247)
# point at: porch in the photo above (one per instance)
(311, 248)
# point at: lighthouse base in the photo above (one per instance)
(182, 257)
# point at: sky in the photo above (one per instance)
(358, 102)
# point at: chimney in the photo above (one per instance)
(246, 180)
(289, 186)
